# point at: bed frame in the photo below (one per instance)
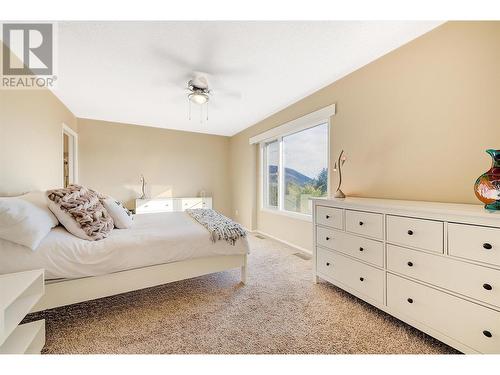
(67, 292)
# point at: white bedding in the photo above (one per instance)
(154, 239)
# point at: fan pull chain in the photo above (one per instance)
(189, 103)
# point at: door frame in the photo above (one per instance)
(73, 153)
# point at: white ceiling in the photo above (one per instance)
(136, 72)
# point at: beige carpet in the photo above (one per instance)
(279, 311)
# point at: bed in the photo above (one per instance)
(159, 248)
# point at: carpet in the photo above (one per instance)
(279, 311)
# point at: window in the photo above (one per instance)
(295, 169)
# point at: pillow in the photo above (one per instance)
(39, 199)
(122, 217)
(80, 211)
(23, 222)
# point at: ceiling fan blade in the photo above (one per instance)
(230, 72)
(236, 95)
(173, 58)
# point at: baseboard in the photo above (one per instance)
(282, 241)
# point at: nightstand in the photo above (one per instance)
(19, 292)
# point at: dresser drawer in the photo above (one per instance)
(461, 320)
(420, 233)
(476, 282)
(365, 279)
(188, 203)
(365, 223)
(329, 216)
(370, 251)
(154, 205)
(477, 243)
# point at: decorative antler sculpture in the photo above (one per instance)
(338, 166)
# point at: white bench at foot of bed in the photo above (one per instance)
(69, 291)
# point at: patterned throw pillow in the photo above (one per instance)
(122, 217)
(81, 212)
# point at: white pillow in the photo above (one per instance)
(23, 222)
(39, 199)
(122, 217)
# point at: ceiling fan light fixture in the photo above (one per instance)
(198, 98)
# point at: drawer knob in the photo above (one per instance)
(487, 246)
(361, 223)
(487, 333)
(327, 216)
(328, 238)
(361, 279)
(410, 300)
(487, 286)
(410, 232)
(361, 249)
(410, 264)
(327, 263)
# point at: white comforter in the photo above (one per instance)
(154, 239)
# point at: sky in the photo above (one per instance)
(307, 151)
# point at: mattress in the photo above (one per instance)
(154, 239)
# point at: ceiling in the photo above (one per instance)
(137, 72)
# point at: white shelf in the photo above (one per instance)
(19, 292)
(27, 338)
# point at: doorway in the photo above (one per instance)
(69, 156)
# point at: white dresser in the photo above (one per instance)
(143, 206)
(435, 266)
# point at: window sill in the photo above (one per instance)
(293, 215)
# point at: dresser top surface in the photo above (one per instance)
(456, 209)
(168, 198)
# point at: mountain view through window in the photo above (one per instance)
(304, 169)
(305, 164)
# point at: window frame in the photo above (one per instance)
(264, 176)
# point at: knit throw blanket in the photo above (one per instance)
(85, 207)
(219, 226)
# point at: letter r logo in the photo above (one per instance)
(28, 49)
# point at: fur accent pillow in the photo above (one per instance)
(81, 212)
(122, 217)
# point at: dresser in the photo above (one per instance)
(143, 206)
(435, 266)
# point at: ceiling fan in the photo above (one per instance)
(198, 92)
(199, 85)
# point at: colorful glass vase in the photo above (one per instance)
(487, 186)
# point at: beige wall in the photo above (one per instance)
(174, 163)
(414, 125)
(31, 140)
